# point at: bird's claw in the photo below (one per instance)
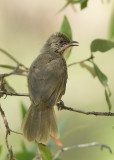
(60, 105)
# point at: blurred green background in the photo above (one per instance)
(24, 28)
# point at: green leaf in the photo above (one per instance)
(66, 29)
(0, 150)
(101, 45)
(45, 152)
(7, 66)
(9, 55)
(101, 76)
(8, 87)
(24, 155)
(89, 68)
(23, 110)
(68, 3)
(108, 100)
(10, 67)
(111, 31)
(84, 4)
(72, 2)
(103, 79)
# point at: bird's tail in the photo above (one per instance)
(39, 124)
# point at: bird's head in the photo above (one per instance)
(59, 43)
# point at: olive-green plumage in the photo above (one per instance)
(47, 83)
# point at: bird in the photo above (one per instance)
(47, 80)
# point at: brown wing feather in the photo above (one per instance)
(46, 82)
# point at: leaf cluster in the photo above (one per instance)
(97, 45)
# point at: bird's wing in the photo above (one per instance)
(47, 83)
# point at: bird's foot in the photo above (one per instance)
(60, 105)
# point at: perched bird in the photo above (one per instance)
(46, 83)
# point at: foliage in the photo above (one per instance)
(103, 79)
(66, 29)
(45, 152)
(83, 4)
(100, 45)
(111, 31)
(23, 110)
(0, 150)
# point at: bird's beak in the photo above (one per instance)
(73, 43)
(68, 45)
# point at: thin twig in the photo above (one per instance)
(8, 66)
(14, 72)
(87, 59)
(63, 107)
(14, 94)
(9, 55)
(85, 112)
(2, 86)
(7, 133)
(26, 69)
(15, 132)
(81, 146)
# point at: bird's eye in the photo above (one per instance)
(60, 41)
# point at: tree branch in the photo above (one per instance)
(81, 146)
(61, 106)
(7, 66)
(11, 57)
(14, 72)
(14, 94)
(87, 59)
(16, 132)
(8, 131)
